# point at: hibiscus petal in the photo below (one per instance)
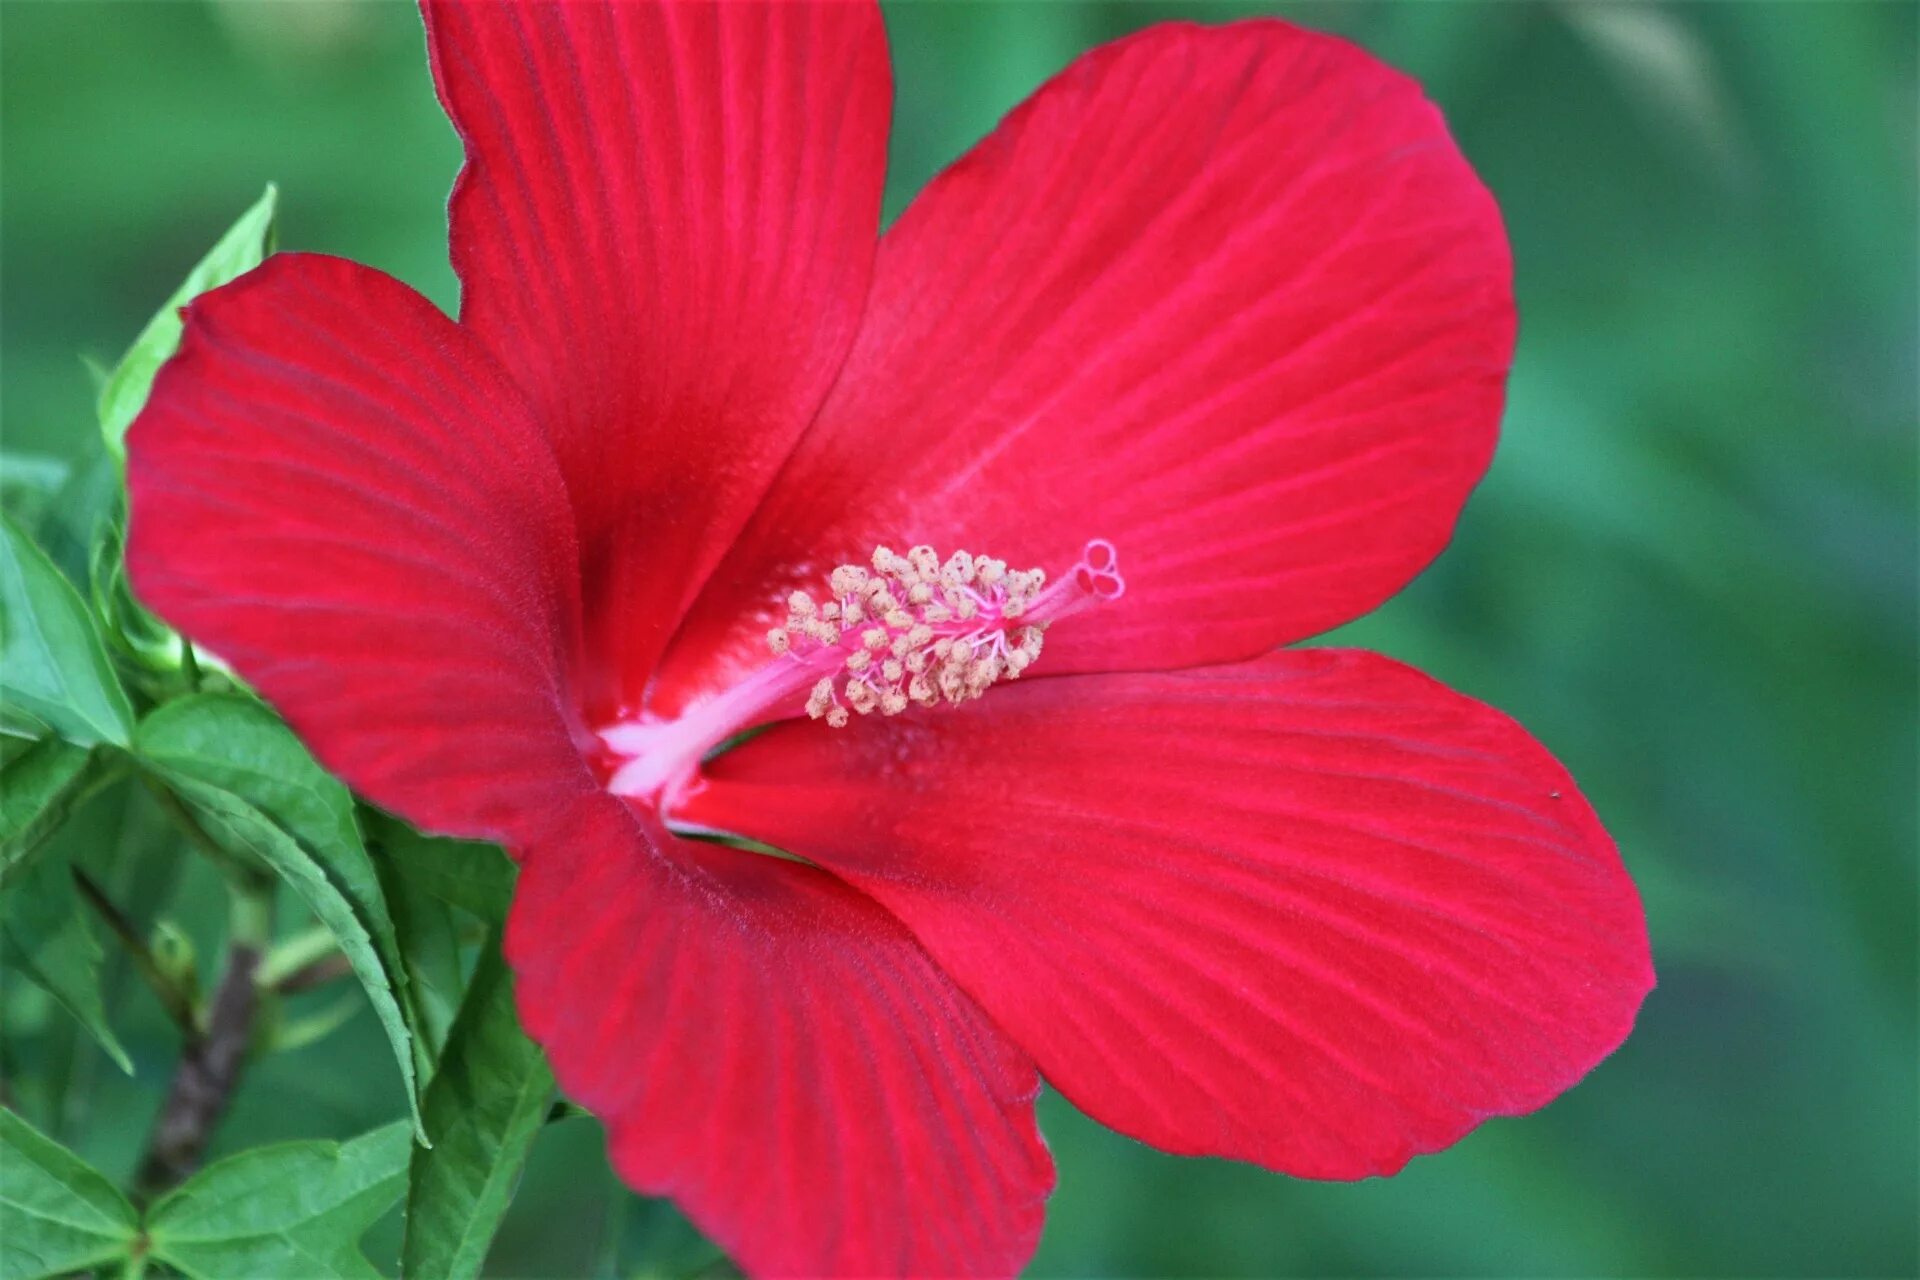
(338, 492)
(1315, 911)
(1229, 298)
(664, 230)
(774, 1052)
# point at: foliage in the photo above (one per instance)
(53, 667)
(57, 1214)
(247, 796)
(485, 1107)
(246, 243)
(249, 787)
(291, 1209)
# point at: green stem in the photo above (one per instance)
(295, 954)
(251, 919)
(173, 998)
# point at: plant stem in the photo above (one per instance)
(177, 1003)
(210, 1063)
(296, 953)
(317, 974)
(565, 1110)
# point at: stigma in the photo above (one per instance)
(896, 632)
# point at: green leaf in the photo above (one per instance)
(237, 826)
(58, 1214)
(237, 744)
(52, 665)
(37, 789)
(259, 793)
(44, 935)
(484, 1108)
(28, 483)
(475, 877)
(126, 624)
(295, 1210)
(427, 877)
(430, 951)
(70, 524)
(246, 244)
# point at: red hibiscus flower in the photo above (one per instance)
(1197, 355)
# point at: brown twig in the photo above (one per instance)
(317, 974)
(211, 1061)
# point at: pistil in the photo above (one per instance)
(909, 630)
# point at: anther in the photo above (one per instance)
(914, 629)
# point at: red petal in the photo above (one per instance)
(1315, 911)
(1228, 297)
(664, 230)
(334, 489)
(774, 1052)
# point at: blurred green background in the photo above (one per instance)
(1692, 572)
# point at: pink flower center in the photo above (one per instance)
(912, 629)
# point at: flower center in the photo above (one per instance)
(909, 629)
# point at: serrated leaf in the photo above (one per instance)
(295, 1210)
(245, 245)
(485, 1106)
(475, 877)
(238, 826)
(58, 1214)
(37, 789)
(236, 743)
(52, 664)
(261, 793)
(44, 935)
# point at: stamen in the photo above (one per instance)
(932, 631)
(911, 630)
